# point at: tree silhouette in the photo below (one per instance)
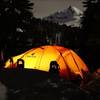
(14, 15)
(91, 32)
(91, 20)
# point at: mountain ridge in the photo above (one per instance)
(69, 16)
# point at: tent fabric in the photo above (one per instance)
(39, 58)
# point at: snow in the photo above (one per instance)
(69, 16)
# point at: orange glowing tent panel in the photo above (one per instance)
(39, 58)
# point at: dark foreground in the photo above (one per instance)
(37, 85)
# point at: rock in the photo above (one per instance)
(3, 92)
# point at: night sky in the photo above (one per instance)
(44, 8)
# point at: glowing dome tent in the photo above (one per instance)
(39, 58)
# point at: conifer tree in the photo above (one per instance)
(91, 32)
(14, 15)
(91, 20)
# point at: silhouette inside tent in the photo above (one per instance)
(11, 62)
(20, 64)
(54, 68)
